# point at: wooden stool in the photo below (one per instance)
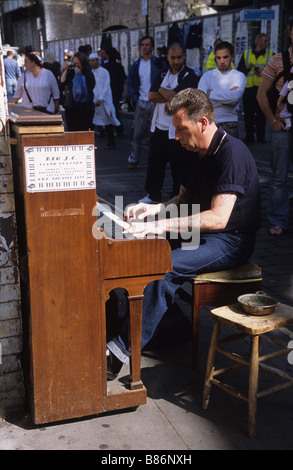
(221, 288)
(256, 327)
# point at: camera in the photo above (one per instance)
(70, 65)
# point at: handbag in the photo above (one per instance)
(272, 93)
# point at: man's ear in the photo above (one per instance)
(204, 123)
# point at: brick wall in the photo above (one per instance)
(11, 378)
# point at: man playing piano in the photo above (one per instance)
(219, 173)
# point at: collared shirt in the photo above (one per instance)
(274, 67)
(227, 167)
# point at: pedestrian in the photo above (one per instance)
(140, 78)
(12, 74)
(163, 146)
(221, 176)
(224, 86)
(251, 64)
(37, 86)
(104, 109)
(117, 81)
(275, 74)
(78, 81)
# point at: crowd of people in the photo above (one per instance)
(193, 125)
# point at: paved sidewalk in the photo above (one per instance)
(173, 419)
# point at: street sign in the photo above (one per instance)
(257, 15)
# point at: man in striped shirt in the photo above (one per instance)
(281, 143)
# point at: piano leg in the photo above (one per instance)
(135, 319)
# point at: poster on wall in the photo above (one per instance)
(241, 41)
(134, 46)
(124, 51)
(211, 32)
(226, 28)
(161, 36)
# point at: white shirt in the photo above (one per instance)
(42, 89)
(225, 101)
(144, 72)
(160, 118)
(105, 112)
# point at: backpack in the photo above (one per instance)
(79, 89)
(272, 93)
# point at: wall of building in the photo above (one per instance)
(11, 378)
(227, 25)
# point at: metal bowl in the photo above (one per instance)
(257, 304)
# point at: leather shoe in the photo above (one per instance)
(113, 365)
(132, 166)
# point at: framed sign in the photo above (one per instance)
(59, 168)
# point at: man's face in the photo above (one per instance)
(146, 47)
(223, 59)
(187, 132)
(176, 59)
(94, 63)
(263, 42)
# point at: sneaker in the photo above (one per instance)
(113, 365)
(148, 200)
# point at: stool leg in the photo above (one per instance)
(195, 324)
(210, 366)
(253, 385)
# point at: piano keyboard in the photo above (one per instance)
(111, 223)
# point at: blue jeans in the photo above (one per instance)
(142, 122)
(281, 153)
(11, 84)
(216, 252)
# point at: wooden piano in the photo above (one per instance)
(67, 274)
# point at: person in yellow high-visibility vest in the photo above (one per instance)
(251, 64)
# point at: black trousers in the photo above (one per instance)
(253, 116)
(162, 151)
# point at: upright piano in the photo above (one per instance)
(68, 268)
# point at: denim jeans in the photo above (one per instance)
(281, 153)
(11, 84)
(216, 252)
(142, 121)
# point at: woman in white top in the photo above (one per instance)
(37, 86)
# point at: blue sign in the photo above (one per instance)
(257, 15)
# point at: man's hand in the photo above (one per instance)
(141, 210)
(142, 229)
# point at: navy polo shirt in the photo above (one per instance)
(228, 166)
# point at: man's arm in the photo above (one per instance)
(231, 95)
(156, 97)
(215, 218)
(264, 105)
